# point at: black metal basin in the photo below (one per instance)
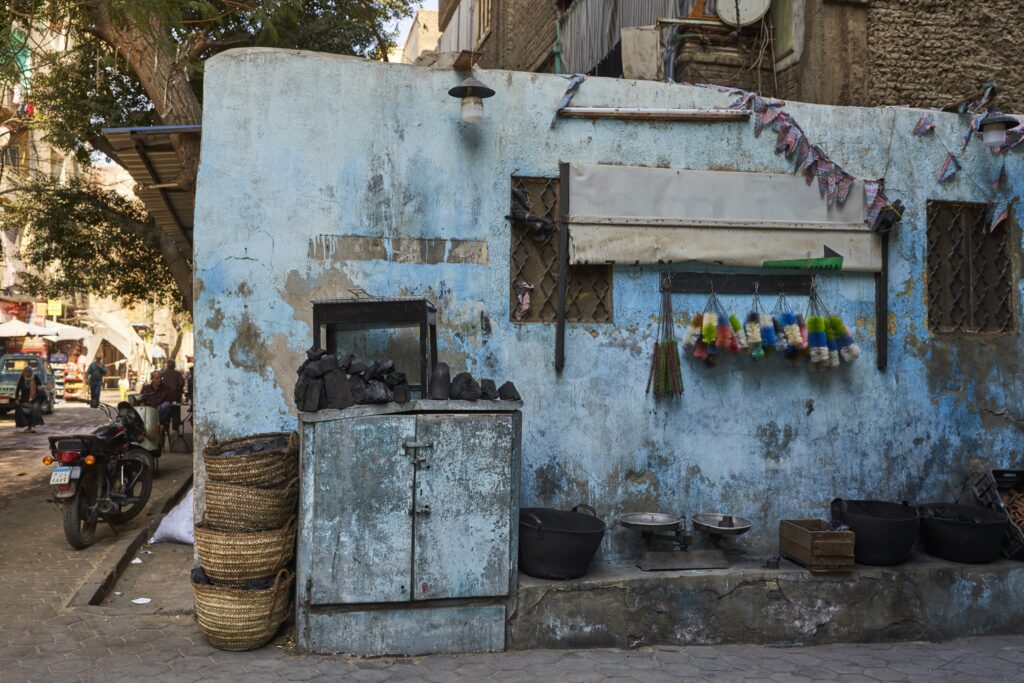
(558, 544)
(962, 533)
(885, 532)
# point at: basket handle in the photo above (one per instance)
(585, 507)
(273, 593)
(540, 524)
(284, 547)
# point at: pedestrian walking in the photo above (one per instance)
(28, 399)
(94, 376)
(174, 381)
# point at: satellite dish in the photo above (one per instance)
(740, 13)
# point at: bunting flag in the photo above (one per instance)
(949, 168)
(874, 200)
(924, 125)
(998, 210)
(843, 188)
(574, 83)
(834, 183)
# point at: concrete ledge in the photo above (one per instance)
(616, 605)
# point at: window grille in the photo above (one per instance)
(970, 279)
(534, 259)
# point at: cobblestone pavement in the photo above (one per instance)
(41, 640)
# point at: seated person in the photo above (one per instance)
(158, 395)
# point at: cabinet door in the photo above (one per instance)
(463, 505)
(361, 526)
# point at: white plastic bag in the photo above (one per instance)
(177, 525)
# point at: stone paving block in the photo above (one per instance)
(371, 675)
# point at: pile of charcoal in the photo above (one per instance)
(463, 387)
(326, 382)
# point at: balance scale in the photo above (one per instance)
(659, 529)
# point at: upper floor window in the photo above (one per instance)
(482, 14)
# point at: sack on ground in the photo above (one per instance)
(177, 525)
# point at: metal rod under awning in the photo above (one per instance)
(643, 114)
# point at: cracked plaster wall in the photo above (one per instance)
(300, 145)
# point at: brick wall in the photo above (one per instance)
(529, 33)
(933, 52)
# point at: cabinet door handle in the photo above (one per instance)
(422, 509)
(410, 445)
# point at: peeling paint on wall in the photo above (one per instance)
(763, 441)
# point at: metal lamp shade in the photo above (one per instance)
(471, 88)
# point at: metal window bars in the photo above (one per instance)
(969, 271)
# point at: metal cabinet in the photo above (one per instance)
(408, 521)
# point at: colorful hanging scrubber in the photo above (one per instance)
(817, 340)
(802, 324)
(738, 333)
(832, 342)
(849, 350)
(693, 332)
(709, 327)
(753, 330)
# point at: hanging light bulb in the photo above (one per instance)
(472, 93)
(994, 126)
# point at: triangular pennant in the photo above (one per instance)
(924, 125)
(844, 186)
(949, 168)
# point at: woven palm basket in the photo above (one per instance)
(230, 507)
(240, 619)
(234, 558)
(262, 460)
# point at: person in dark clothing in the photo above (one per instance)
(157, 394)
(94, 376)
(28, 397)
(174, 381)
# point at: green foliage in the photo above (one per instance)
(80, 238)
(83, 91)
(84, 238)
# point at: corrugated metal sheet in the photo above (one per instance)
(458, 34)
(147, 154)
(591, 28)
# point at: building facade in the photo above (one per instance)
(407, 200)
(922, 53)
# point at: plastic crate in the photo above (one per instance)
(987, 492)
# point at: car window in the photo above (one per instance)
(18, 364)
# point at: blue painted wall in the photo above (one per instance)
(297, 145)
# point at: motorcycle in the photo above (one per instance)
(107, 474)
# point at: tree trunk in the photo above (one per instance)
(164, 76)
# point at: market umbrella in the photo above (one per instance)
(61, 331)
(17, 328)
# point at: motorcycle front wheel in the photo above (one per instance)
(80, 516)
(132, 484)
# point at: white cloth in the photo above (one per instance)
(178, 525)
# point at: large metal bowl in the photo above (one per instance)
(721, 525)
(650, 521)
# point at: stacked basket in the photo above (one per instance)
(246, 539)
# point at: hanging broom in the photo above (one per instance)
(665, 372)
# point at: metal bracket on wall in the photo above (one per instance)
(736, 283)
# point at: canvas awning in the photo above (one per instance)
(18, 328)
(636, 215)
(62, 332)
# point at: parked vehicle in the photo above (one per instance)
(11, 366)
(106, 475)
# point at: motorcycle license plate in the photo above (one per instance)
(60, 475)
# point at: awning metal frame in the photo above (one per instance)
(722, 281)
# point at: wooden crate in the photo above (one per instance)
(809, 542)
